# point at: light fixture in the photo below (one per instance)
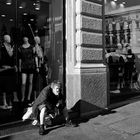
(31, 19)
(8, 2)
(10, 19)
(24, 14)
(115, 0)
(121, 5)
(37, 5)
(22, 5)
(3, 15)
(113, 4)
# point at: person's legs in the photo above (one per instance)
(41, 117)
(30, 86)
(66, 115)
(24, 77)
(4, 100)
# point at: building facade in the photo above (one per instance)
(86, 72)
(72, 38)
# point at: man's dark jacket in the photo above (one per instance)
(48, 98)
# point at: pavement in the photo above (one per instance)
(117, 123)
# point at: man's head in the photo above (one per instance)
(56, 87)
(7, 38)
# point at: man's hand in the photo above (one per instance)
(59, 103)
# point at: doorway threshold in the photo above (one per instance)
(118, 104)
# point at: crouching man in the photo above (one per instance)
(50, 99)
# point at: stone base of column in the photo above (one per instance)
(87, 91)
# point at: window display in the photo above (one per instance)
(36, 40)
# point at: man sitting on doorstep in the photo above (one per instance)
(50, 99)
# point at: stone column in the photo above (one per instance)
(86, 74)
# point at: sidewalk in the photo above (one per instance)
(122, 123)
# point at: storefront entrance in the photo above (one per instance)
(29, 18)
(122, 53)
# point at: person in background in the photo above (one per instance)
(7, 72)
(125, 48)
(26, 67)
(119, 49)
(129, 67)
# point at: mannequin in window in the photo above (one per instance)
(8, 72)
(26, 67)
(38, 79)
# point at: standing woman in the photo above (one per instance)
(26, 67)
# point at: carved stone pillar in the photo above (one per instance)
(86, 74)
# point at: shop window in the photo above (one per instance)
(29, 19)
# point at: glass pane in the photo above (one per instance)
(56, 58)
(8, 73)
(27, 22)
(122, 60)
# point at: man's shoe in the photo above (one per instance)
(70, 124)
(41, 130)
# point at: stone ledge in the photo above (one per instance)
(87, 38)
(88, 23)
(89, 54)
(88, 7)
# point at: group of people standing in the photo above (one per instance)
(23, 62)
(121, 62)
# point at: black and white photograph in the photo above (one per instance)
(69, 69)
